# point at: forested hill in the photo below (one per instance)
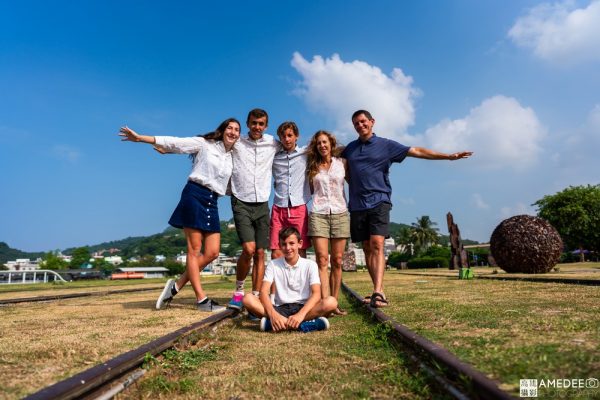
(9, 254)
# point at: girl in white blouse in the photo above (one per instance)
(197, 212)
(328, 222)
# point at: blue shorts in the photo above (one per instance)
(289, 309)
(197, 209)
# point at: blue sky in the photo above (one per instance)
(518, 82)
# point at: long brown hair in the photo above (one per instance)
(217, 134)
(315, 158)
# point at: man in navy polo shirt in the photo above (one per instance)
(369, 160)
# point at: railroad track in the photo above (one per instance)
(103, 381)
(107, 379)
(76, 295)
(457, 378)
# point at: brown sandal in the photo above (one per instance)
(378, 300)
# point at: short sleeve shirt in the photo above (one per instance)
(292, 282)
(369, 169)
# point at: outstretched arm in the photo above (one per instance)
(421, 152)
(130, 135)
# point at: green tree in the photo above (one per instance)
(575, 213)
(81, 255)
(404, 237)
(104, 266)
(438, 251)
(52, 261)
(423, 233)
(174, 267)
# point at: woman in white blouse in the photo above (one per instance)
(197, 212)
(328, 222)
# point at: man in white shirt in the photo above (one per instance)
(251, 188)
(298, 304)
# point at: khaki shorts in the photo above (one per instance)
(331, 226)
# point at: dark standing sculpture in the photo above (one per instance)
(459, 254)
(527, 244)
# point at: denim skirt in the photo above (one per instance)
(197, 209)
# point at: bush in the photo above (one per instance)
(395, 259)
(428, 262)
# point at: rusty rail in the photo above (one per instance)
(75, 295)
(481, 385)
(91, 379)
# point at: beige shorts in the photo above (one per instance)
(331, 226)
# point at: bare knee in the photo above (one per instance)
(376, 246)
(248, 250)
(336, 261)
(249, 300)
(260, 253)
(211, 255)
(322, 261)
(329, 304)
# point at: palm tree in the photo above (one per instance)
(404, 239)
(424, 233)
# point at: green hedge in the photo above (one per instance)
(429, 262)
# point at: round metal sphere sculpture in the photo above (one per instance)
(527, 244)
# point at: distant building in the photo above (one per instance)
(389, 245)
(114, 260)
(23, 264)
(159, 258)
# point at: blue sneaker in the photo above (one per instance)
(236, 301)
(318, 324)
(265, 325)
(253, 317)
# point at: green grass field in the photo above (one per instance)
(510, 330)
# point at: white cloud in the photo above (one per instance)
(478, 202)
(500, 131)
(336, 89)
(66, 153)
(517, 209)
(560, 32)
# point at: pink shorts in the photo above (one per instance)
(283, 217)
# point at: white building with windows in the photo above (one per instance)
(23, 264)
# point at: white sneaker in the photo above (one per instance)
(167, 295)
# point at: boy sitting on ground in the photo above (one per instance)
(298, 304)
